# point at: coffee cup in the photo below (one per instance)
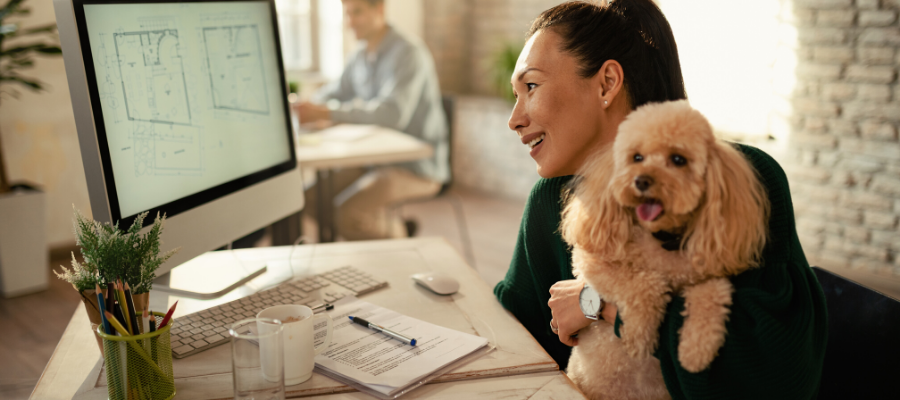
(298, 336)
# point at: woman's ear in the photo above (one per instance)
(729, 232)
(612, 80)
(593, 219)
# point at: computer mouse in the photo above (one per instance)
(436, 282)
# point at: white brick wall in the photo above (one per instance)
(845, 173)
(487, 156)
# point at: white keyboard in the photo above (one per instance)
(209, 328)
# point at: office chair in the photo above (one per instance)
(862, 358)
(446, 194)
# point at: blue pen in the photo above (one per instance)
(386, 331)
(107, 328)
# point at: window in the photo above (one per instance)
(311, 36)
(737, 58)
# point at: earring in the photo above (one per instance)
(605, 102)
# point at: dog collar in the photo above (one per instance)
(670, 241)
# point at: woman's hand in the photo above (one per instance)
(566, 311)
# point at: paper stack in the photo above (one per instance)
(385, 367)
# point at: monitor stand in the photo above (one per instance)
(215, 273)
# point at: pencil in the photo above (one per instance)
(102, 307)
(146, 321)
(117, 325)
(120, 292)
(129, 302)
(110, 301)
(137, 349)
(168, 316)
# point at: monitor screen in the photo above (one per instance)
(191, 100)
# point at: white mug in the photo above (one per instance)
(299, 353)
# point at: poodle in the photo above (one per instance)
(666, 209)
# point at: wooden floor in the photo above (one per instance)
(31, 327)
(33, 324)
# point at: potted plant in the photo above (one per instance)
(503, 65)
(23, 249)
(110, 255)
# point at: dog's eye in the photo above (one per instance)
(678, 160)
(638, 158)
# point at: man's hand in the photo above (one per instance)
(567, 315)
(309, 112)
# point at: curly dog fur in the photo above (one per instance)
(665, 172)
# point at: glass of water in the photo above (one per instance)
(257, 359)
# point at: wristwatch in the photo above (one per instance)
(590, 302)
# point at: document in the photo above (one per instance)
(385, 364)
(347, 132)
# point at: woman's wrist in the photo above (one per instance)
(609, 311)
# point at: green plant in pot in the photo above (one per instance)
(503, 65)
(110, 254)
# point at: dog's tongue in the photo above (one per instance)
(649, 211)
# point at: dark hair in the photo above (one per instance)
(633, 32)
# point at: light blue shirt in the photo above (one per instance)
(395, 87)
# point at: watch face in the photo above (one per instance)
(590, 301)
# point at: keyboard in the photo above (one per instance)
(209, 328)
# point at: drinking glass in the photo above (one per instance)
(257, 359)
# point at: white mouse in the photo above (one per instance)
(437, 282)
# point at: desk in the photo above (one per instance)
(324, 153)
(518, 368)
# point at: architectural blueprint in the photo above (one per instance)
(235, 68)
(191, 95)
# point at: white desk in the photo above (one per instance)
(325, 152)
(518, 369)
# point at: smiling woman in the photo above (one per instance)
(584, 68)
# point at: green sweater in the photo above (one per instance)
(777, 329)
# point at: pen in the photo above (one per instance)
(322, 307)
(395, 335)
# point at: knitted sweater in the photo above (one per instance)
(777, 329)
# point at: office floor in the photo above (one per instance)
(33, 324)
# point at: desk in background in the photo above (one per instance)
(337, 147)
(518, 368)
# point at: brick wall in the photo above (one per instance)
(487, 156)
(845, 166)
(464, 36)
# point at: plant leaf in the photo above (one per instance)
(31, 84)
(9, 8)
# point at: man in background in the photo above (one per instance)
(389, 81)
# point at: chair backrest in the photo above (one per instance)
(448, 102)
(862, 358)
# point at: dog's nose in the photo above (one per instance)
(643, 182)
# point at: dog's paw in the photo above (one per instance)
(695, 356)
(703, 332)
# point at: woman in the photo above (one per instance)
(583, 69)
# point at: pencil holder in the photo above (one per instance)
(139, 367)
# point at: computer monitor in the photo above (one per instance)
(181, 108)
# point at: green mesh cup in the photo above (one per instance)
(139, 367)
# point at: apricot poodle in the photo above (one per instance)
(667, 209)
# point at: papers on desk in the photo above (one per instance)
(347, 133)
(386, 367)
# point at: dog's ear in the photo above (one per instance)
(593, 219)
(730, 229)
